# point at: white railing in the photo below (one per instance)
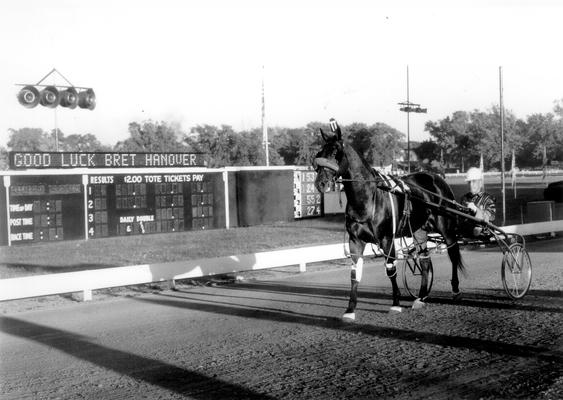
(87, 281)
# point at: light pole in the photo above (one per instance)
(409, 107)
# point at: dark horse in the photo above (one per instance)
(373, 214)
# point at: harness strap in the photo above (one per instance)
(393, 213)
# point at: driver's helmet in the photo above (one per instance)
(474, 174)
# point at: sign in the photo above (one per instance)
(34, 160)
(306, 198)
(136, 204)
(45, 208)
(75, 206)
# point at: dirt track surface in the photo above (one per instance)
(277, 335)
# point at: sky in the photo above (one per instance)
(203, 62)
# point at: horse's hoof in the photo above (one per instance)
(395, 309)
(418, 304)
(349, 317)
(456, 296)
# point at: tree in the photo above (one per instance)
(214, 141)
(558, 108)
(4, 163)
(385, 144)
(359, 137)
(296, 146)
(151, 136)
(541, 130)
(288, 143)
(275, 137)
(87, 142)
(245, 148)
(465, 136)
(486, 128)
(452, 135)
(310, 143)
(30, 139)
(428, 151)
(376, 143)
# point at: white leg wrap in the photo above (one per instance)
(418, 304)
(359, 268)
(349, 317)
(390, 266)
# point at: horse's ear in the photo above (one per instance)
(335, 128)
(324, 135)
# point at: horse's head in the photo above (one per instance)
(328, 161)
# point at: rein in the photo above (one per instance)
(382, 183)
(454, 203)
(459, 210)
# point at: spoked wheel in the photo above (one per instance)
(412, 276)
(516, 271)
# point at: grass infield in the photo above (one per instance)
(76, 255)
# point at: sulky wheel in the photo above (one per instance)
(516, 271)
(412, 276)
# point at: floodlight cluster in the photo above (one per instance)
(50, 96)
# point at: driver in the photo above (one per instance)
(481, 203)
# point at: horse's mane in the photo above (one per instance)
(363, 160)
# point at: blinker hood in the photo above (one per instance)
(323, 162)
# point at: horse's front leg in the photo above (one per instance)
(391, 270)
(356, 252)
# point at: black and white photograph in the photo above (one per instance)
(216, 200)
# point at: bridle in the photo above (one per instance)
(382, 183)
(326, 163)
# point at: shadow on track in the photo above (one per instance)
(473, 344)
(499, 302)
(155, 372)
(325, 291)
(485, 298)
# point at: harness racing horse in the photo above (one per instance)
(372, 214)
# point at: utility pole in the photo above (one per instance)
(409, 107)
(265, 142)
(502, 148)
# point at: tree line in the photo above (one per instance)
(461, 139)
(223, 145)
(457, 141)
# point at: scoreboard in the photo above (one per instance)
(100, 195)
(306, 198)
(132, 204)
(60, 207)
(45, 208)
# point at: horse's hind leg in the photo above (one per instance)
(455, 258)
(421, 240)
(425, 266)
(356, 251)
(447, 228)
